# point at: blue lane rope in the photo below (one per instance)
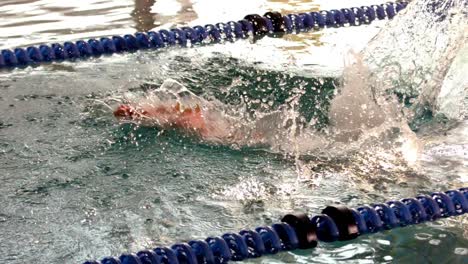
(298, 231)
(272, 23)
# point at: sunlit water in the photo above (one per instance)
(76, 184)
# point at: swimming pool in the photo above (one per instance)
(78, 185)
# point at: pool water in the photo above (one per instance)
(78, 185)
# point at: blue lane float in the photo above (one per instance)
(299, 231)
(272, 23)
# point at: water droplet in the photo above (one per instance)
(423, 236)
(461, 251)
(383, 242)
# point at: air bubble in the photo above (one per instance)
(423, 236)
(461, 251)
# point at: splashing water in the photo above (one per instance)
(405, 70)
(355, 117)
(421, 56)
(413, 66)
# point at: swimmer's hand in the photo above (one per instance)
(128, 112)
(164, 116)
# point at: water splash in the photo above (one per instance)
(419, 56)
(406, 69)
(356, 115)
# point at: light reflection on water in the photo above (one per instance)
(28, 23)
(53, 18)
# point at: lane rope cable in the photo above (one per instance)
(271, 24)
(299, 231)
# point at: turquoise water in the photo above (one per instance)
(78, 185)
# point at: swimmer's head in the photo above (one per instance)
(126, 111)
(163, 113)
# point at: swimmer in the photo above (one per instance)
(205, 123)
(174, 107)
(164, 116)
(192, 120)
